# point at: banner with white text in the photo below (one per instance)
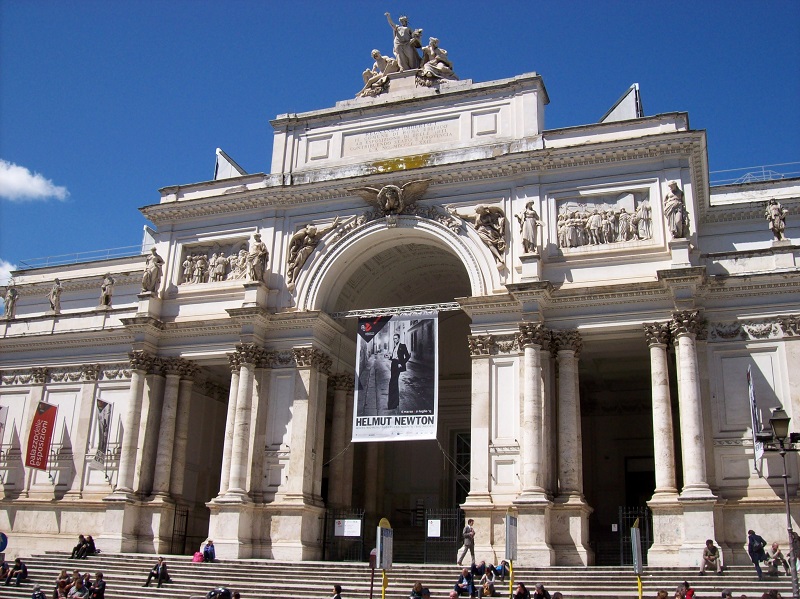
(397, 375)
(41, 435)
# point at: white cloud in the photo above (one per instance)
(17, 183)
(5, 271)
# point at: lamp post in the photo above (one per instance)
(779, 421)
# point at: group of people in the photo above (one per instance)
(772, 557)
(84, 548)
(479, 580)
(77, 585)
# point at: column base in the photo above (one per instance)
(157, 523)
(667, 529)
(232, 526)
(533, 531)
(698, 526)
(295, 531)
(120, 525)
(570, 531)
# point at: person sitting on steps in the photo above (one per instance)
(159, 571)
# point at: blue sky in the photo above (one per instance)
(103, 103)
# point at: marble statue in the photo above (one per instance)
(220, 265)
(301, 246)
(406, 42)
(675, 212)
(238, 265)
(529, 222)
(435, 64)
(776, 215)
(54, 297)
(106, 290)
(257, 256)
(151, 279)
(10, 302)
(392, 199)
(376, 78)
(643, 220)
(489, 223)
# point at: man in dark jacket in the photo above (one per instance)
(755, 549)
(159, 571)
(19, 572)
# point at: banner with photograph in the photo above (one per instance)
(103, 418)
(41, 435)
(755, 423)
(3, 418)
(397, 375)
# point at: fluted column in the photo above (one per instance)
(685, 327)
(141, 362)
(249, 354)
(570, 455)
(532, 338)
(230, 423)
(341, 385)
(480, 347)
(166, 430)
(187, 370)
(657, 334)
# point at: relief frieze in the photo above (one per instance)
(214, 262)
(604, 220)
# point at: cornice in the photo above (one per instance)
(76, 284)
(507, 164)
(75, 373)
(59, 341)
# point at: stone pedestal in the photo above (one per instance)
(667, 529)
(784, 253)
(231, 525)
(569, 524)
(698, 526)
(531, 267)
(680, 250)
(120, 525)
(295, 530)
(533, 533)
(149, 304)
(255, 295)
(160, 514)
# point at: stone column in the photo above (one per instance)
(166, 429)
(258, 429)
(187, 370)
(480, 348)
(686, 326)
(663, 444)
(571, 519)
(249, 354)
(533, 505)
(342, 384)
(348, 456)
(230, 423)
(697, 502)
(141, 362)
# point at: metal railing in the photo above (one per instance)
(750, 174)
(127, 251)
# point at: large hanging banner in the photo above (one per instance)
(41, 435)
(397, 374)
(3, 417)
(103, 425)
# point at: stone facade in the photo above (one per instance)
(604, 369)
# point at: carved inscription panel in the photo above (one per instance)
(407, 136)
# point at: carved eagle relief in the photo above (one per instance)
(392, 199)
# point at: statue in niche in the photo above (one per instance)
(376, 78)
(643, 220)
(406, 42)
(301, 246)
(529, 222)
(776, 215)
(489, 223)
(675, 212)
(435, 65)
(151, 279)
(393, 200)
(10, 302)
(106, 290)
(257, 256)
(54, 297)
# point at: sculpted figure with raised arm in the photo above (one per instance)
(301, 246)
(489, 223)
(406, 42)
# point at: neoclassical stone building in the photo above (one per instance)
(593, 355)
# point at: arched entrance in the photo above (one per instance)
(400, 480)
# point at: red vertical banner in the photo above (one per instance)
(41, 435)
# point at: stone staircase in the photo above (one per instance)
(262, 579)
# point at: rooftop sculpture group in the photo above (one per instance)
(432, 65)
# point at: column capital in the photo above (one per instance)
(39, 374)
(141, 360)
(534, 333)
(249, 353)
(688, 322)
(233, 362)
(657, 333)
(567, 340)
(790, 325)
(480, 345)
(90, 372)
(309, 357)
(343, 382)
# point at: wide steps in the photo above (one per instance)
(262, 579)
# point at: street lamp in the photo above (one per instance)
(779, 422)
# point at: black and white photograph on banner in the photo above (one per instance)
(103, 425)
(397, 369)
(3, 417)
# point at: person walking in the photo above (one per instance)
(469, 541)
(755, 549)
